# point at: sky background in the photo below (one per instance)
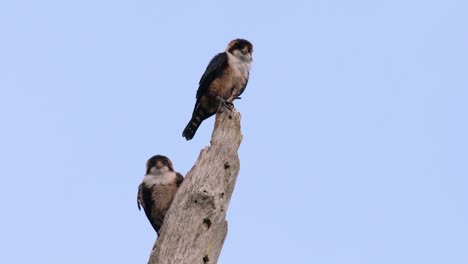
(355, 127)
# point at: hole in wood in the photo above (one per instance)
(226, 165)
(204, 198)
(230, 117)
(206, 259)
(207, 222)
(222, 195)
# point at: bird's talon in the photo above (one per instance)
(224, 104)
(228, 105)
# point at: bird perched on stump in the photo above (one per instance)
(224, 80)
(158, 189)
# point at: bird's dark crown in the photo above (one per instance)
(153, 161)
(240, 44)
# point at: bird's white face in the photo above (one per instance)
(159, 169)
(159, 174)
(244, 56)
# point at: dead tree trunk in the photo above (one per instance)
(195, 226)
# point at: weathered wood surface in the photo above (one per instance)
(195, 226)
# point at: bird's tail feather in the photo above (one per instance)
(192, 126)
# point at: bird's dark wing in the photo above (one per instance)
(179, 179)
(140, 197)
(145, 200)
(213, 70)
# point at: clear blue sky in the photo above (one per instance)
(355, 127)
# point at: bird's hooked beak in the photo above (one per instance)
(159, 165)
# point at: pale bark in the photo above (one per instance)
(195, 226)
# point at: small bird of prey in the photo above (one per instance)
(224, 80)
(159, 186)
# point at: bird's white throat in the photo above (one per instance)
(242, 65)
(160, 178)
